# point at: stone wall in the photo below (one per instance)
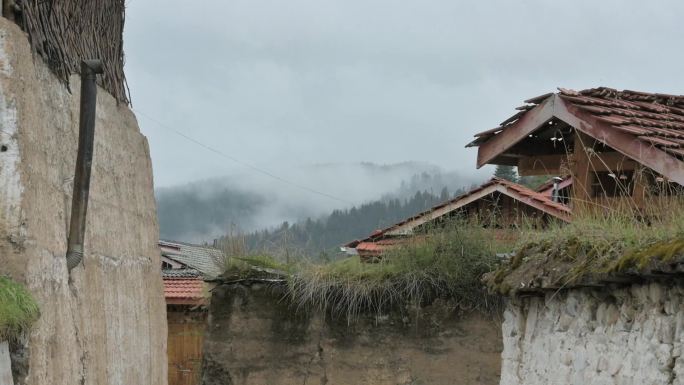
(255, 337)
(614, 335)
(104, 324)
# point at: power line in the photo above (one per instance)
(238, 161)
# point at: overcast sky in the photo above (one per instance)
(281, 84)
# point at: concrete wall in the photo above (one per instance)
(106, 323)
(628, 335)
(5, 365)
(255, 337)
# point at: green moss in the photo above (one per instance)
(254, 266)
(664, 251)
(590, 249)
(18, 309)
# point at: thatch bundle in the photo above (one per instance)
(64, 32)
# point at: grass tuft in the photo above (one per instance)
(447, 264)
(18, 309)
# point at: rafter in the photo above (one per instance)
(516, 132)
(555, 107)
(626, 144)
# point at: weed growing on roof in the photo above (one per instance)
(598, 242)
(447, 263)
(18, 309)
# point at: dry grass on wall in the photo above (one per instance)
(448, 264)
(599, 244)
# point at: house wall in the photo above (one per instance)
(186, 338)
(255, 337)
(5, 365)
(504, 211)
(106, 322)
(627, 335)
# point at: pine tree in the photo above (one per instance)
(506, 172)
(444, 195)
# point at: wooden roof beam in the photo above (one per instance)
(554, 106)
(626, 144)
(516, 132)
(566, 216)
(407, 228)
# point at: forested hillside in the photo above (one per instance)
(205, 210)
(321, 238)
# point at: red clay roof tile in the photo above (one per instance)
(184, 289)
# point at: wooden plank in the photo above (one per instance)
(184, 348)
(516, 132)
(581, 177)
(640, 188)
(541, 165)
(407, 228)
(611, 161)
(552, 164)
(534, 203)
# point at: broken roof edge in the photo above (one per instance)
(514, 131)
(203, 258)
(658, 144)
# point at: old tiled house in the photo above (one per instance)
(185, 267)
(498, 204)
(616, 145)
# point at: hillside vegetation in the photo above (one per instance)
(206, 210)
(447, 264)
(321, 238)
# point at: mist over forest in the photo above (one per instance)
(254, 204)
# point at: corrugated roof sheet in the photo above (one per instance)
(180, 273)
(207, 260)
(652, 118)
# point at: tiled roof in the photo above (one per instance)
(184, 291)
(554, 208)
(514, 190)
(654, 119)
(377, 247)
(207, 260)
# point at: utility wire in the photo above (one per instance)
(238, 161)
